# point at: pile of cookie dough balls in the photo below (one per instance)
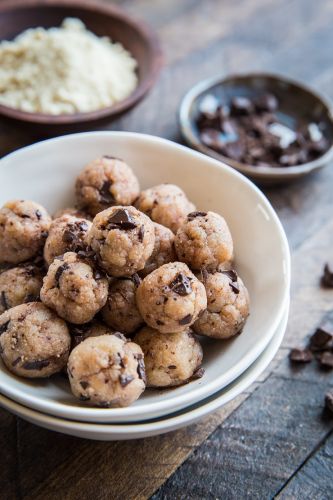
(117, 289)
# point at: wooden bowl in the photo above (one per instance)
(103, 19)
(297, 104)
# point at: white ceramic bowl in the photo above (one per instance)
(107, 432)
(45, 172)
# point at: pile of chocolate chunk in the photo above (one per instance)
(250, 131)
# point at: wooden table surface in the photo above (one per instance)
(273, 440)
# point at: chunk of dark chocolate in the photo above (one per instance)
(327, 277)
(181, 285)
(37, 364)
(300, 355)
(194, 215)
(121, 219)
(59, 272)
(125, 380)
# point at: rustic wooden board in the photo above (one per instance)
(272, 438)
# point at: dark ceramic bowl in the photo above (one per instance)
(103, 19)
(297, 104)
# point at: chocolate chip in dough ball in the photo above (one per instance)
(75, 212)
(163, 252)
(74, 289)
(227, 305)
(204, 241)
(92, 329)
(34, 341)
(107, 371)
(171, 298)
(120, 311)
(166, 204)
(106, 182)
(170, 359)
(123, 239)
(19, 285)
(23, 230)
(66, 234)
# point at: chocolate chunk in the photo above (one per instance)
(111, 157)
(125, 380)
(181, 285)
(326, 359)
(232, 275)
(121, 219)
(327, 277)
(84, 384)
(241, 106)
(198, 373)
(329, 401)
(141, 233)
(104, 404)
(59, 272)
(98, 275)
(186, 320)
(320, 338)
(193, 215)
(38, 214)
(141, 371)
(4, 327)
(16, 361)
(36, 365)
(3, 300)
(159, 322)
(300, 355)
(105, 196)
(84, 398)
(120, 336)
(32, 298)
(136, 279)
(172, 367)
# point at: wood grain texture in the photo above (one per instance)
(269, 440)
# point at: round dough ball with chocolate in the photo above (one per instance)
(66, 234)
(227, 305)
(94, 328)
(19, 285)
(74, 289)
(163, 252)
(107, 371)
(105, 182)
(123, 239)
(171, 298)
(166, 204)
(34, 341)
(204, 241)
(120, 311)
(23, 229)
(169, 359)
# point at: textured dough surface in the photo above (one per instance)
(227, 306)
(120, 311)
(204, 240)
(170, 359)
(23, 230)
(163, 252)
(74, 289)
(165, 204)
(107, 371)
(19, 285)
(34, 341)
(105, 182)
(122, 248)
(66, 234)
(171, 298)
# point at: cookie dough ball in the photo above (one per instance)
(105, 182)
(74, 289)
(163, 252)
(204, 240)
(227, 307)
(23, 229)
(66, 234)
(166, 204)
(123, 239)
(34, 341)
(171, 298)
(75, 212)
(107, 371)
(19, 285)
(120, 311)
(169, 359)
(92, 329)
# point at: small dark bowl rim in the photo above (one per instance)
(108, 9)
(250, 170)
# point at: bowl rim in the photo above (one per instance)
(191, 139)
(100, 414)
(108, 9)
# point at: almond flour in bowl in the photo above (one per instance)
(64, 70)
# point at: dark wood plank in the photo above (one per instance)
(9, 469)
